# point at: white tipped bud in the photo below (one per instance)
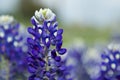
(106, 60)
(117, 56)
(111, 57)
(37, 14)
(2, 34)
(113, 65)
(114, 46)
(35, 18)
(49, 14)
(6, 19)
(15, 44)
(44, 14)
(103, 67)
(48, 24)
(55, 33)
(9, 39)
(47, 39)
(40, 31)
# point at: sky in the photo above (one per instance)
(98, 12)
(8, 6)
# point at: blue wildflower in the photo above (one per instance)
(8, 35)
(45, 47)
(10, 45)
(110, 66)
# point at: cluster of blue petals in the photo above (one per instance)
(45, 51)
(11, 49)
(110, 65)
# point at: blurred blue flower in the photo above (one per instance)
(91, 61)
(10, 45)
(74, 60)
(110, 65)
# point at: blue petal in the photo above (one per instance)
(62, 51)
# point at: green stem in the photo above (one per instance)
(4, 65)
(46, 59)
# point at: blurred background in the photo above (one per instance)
(88, 21)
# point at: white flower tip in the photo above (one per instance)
(47, 39)
(15, 44)
(113, 65)
(114, 46)
(2, 34)
(9, 39)
(40, 31)
(50, 14)
(37, 14)
(104, 68)
(6, 19)
(117, 56)
(43, 14)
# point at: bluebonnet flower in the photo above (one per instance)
(10, 46)
(45, 48)
(8, 35)
(110, 65)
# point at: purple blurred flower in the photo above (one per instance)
(10, 45)
(45, 48)
(110, 66)
(74, 60)
(91, 61)
(8, 38)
